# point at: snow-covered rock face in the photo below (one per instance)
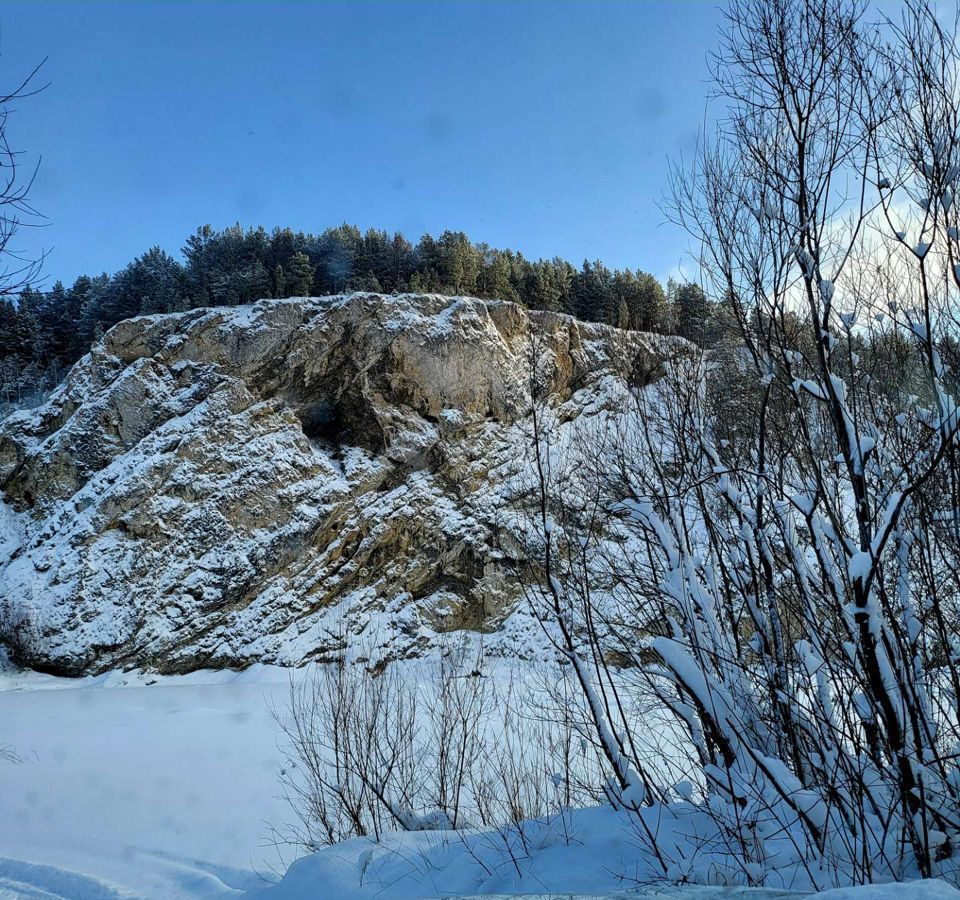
(221, 486)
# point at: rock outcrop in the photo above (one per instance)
(263, 483)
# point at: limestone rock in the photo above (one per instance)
(264, 483)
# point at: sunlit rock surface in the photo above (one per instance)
(264, 483)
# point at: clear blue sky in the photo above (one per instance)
(541, 126)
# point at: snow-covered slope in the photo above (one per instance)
(224, 486)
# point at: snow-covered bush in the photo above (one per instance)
(788, 583)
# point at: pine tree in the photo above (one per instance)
(34, 339)
(299, 276)
(592, 293)
(647, 314)
(693, 312)
(14, 335)
(88, 293)
(493, 278)
(198, 252)
(338, 250)
(458, 263)
(158, 279)
(402, 264)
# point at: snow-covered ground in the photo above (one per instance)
(166, 790)
(131, 786)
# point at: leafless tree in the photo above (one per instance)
(17, 270)
(787, 582)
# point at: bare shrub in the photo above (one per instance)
(436, 745)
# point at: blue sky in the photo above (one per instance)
(542, 126)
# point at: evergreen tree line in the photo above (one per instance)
(43, 333)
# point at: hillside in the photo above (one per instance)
(267, 482)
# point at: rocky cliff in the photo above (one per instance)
(264, 483)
